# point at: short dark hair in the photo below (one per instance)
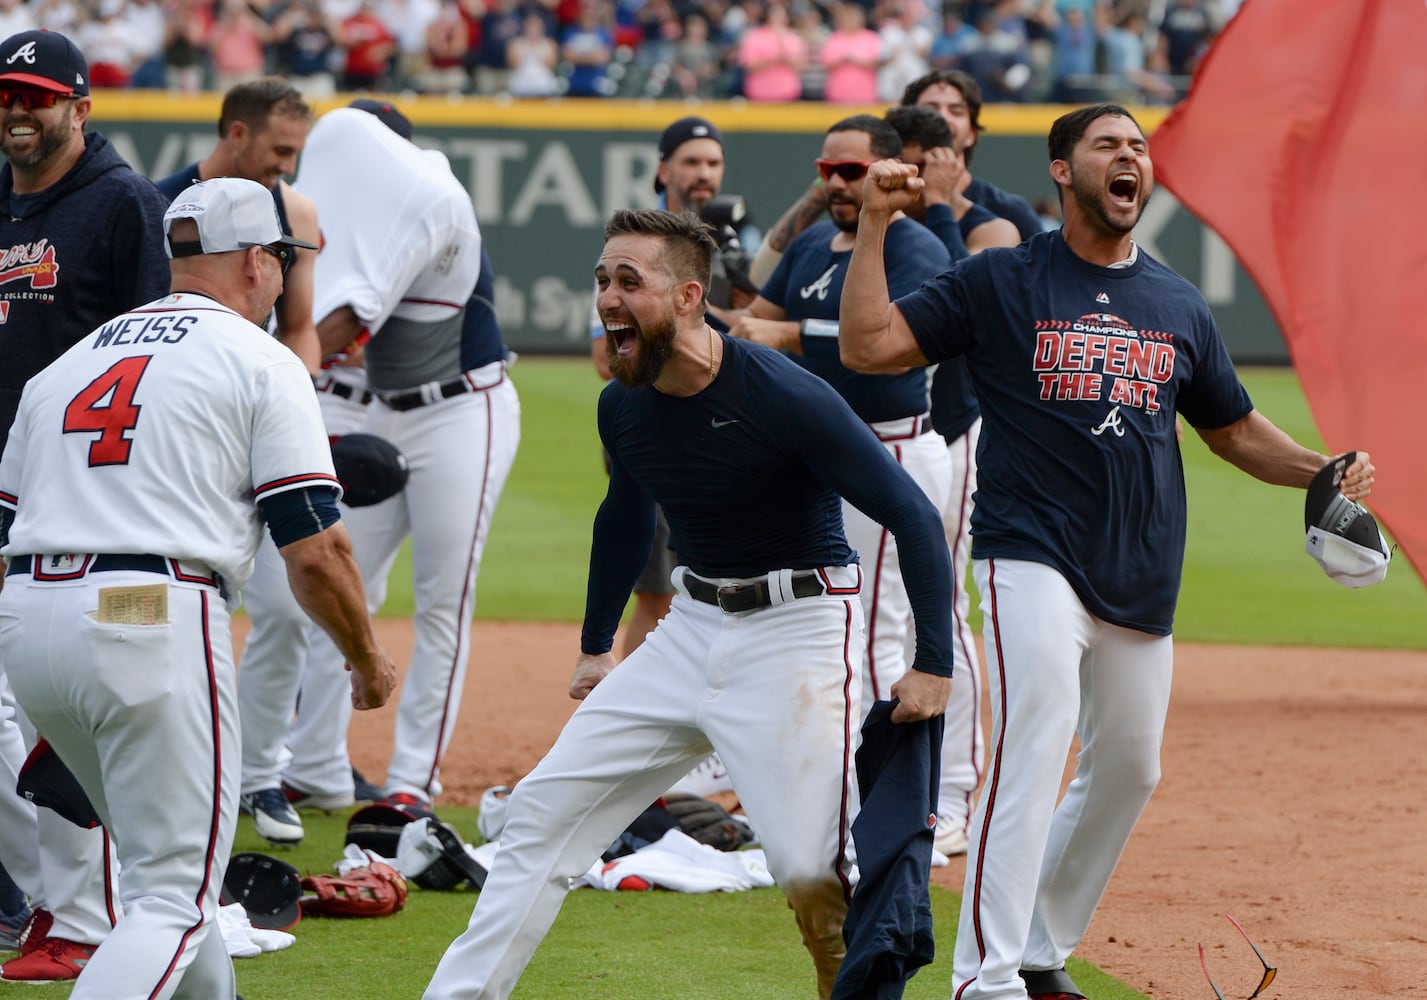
(254, 101)
(886, 143)
(688, 240)
(1068, 129)
(962, 81)
(920, 127)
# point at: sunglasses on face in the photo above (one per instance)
(848, 170)
(285, 255)
(30, 99)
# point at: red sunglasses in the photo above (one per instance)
(848, 170)
(30, 99)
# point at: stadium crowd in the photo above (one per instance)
(840, 51)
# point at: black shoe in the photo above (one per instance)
(363, 790)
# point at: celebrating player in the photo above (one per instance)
(121, 653)
(797, 312)
(759, 654)
(84, 238)
(399, 277)
(1082, 349)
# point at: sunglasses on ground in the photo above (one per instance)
(30, 99)
(1269, 971)
(848, 170)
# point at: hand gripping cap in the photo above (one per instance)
(1342, 536)
(371, 469)
(270, 890)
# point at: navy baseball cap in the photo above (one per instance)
(681, 132)
(44, 59)
(387, 114)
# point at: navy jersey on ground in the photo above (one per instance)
(1079, 370)
(808, 285)
(750, 472)
(1005, 204)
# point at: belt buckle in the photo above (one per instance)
(727, 594)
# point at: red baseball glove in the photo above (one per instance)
(375, 891)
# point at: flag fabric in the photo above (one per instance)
(1303, 143)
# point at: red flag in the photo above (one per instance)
(1303, 143)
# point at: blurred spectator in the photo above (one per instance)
(809, 25)
(236, 45)
(697, 61)
(851, 55)
(408, 20)
(370, 48)
(587, 46)
(64, 16)
(996, 58)
(1125, 63)
(448, 47)
(1077, 41)
(15, 17)
(502, 22)
(661, 29)
(305, 46)
(149, 21)
(906, 45)
(772, 57)
(533, 57)
(1184, 35)
(186, 44)
(955, 32)
(111, 44)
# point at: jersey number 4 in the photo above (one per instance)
(107, 405)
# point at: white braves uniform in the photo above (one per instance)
(406, 263)
(270, 669)
(134, 478)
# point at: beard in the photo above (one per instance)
(656, 347)
(50, 139)
(842, 219)
(1094, 202)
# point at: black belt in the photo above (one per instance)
(410, 399)
(748, 596)
(109, 563)
(344, 391)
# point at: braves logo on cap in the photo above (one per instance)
(25, 52)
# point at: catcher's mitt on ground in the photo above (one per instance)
(708, 822)
(375, 891)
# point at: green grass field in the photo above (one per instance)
(1247, 580)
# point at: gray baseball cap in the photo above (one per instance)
(232, 214)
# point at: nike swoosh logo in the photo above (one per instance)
(716, 422)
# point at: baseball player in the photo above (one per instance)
(964, 228)
(797, 312)
(115, 627)
(1082, 350)
(398, 277)
(81, 237)
(758, 656)
(262, 128)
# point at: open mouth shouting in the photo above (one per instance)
(1125, 190)
(622, 336)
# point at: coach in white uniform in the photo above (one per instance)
(129, 509)
(399, 265)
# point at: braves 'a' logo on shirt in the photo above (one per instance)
(819, 287)
(33, 262)
(1101, 356)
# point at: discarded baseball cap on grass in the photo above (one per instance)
(370, 468)
(269, 890)
(44, 59)
(378, 827)
(231, 214)
(1342, 536)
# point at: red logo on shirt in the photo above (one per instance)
(33, 261)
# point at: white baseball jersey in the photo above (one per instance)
(381, 262)
(103, 470)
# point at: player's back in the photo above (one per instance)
(154, 434)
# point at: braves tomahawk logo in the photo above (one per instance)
(819, 287)
(25, 52)
(34, 262)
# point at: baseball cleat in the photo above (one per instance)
(328, 802)
(12, 925)
(36, 931)
(54, 961)
(273, 816)
(364, 790)
(950, 836)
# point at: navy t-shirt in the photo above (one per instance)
(1005, 204)
(808, 285)
(1080, 370)
(750, 472)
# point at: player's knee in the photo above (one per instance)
(820, 908)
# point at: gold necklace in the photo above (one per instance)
(711, 352)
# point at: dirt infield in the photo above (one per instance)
(1294, 783)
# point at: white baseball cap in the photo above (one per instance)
(232, 214)
(1342, 536)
